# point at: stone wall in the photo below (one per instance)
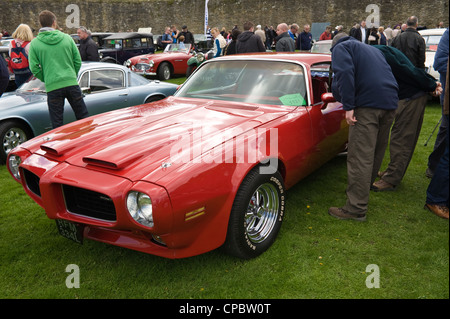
(116, 15)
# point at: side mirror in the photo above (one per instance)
(327, 98)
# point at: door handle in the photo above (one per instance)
(123, 94)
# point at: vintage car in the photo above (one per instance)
(173, 61)
(206, 168)
(432, 38)
(119, 47)
(323, 46)
(106, 86)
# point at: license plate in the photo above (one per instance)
(70, 230)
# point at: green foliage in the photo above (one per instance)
(315, 255)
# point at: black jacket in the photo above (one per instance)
(412, 45)
(88, 50)
(247, 42)
(284, 43)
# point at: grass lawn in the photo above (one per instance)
(315, 255)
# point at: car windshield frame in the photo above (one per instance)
(268, 82)
(178, 48)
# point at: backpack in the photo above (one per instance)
(19, 59)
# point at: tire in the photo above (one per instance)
(12, 134)
(256, 215)
(164, 72)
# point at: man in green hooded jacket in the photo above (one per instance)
(55, 60)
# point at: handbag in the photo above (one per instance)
(372, 38)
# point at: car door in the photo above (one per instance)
(104, 89)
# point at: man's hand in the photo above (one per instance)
(350, 117)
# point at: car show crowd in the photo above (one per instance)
(393, 55)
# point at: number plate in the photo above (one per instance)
(70, 230)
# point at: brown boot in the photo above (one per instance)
(340, 213)
(381, 186)
(439, 210)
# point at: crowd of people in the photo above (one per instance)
(379, 77)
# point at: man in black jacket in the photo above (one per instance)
(4, 75)
(248, 41)
(411, 43)
(88, 48)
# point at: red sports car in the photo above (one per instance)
(173, 61)
(206, 168)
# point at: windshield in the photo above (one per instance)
(178, 47)
(248, 81)
(33, 84)
(432, 41)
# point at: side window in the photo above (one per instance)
(101, 80)
(84, 82)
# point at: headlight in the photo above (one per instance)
(151, 63)
(13, 165)
(200, 57)
(139, 206)
(127, 63)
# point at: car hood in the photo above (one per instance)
(149, 141)
(160, 56)
(14, 99)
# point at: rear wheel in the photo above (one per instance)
(12, 134)
(256, 215)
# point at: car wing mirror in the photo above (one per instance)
(327, 98)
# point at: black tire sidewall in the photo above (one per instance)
(237, 242)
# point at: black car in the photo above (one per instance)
(119, 47)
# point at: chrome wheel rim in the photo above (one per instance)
(12, 138)
(262, 213)
(166, 73)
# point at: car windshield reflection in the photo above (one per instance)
(33, 84)
(247, 81)
(178, 47)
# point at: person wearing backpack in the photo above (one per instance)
(18, 52)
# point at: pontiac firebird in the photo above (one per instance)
(206, 168)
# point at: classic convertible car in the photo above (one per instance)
(173, 61)
(106, 86)
(206, 168)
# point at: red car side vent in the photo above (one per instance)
(50, 150)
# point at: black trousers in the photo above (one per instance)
(55, 101)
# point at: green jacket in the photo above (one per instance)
(411, 80)
(54, 59)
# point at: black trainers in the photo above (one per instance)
(340, 213)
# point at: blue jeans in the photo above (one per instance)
(437, 192)
(55, 102)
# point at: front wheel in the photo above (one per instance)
(12, 134)
(256, 215)
(164, 72)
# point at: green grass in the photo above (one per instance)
(315, 255)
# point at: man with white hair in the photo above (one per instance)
(88, 48)
(259, 32)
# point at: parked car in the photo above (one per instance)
(24, 113)
(119, 47)
(173, 61)
(96, 36)
(432, 38)
(323, 46)
(206, 168)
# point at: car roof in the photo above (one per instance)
(439, 31)
(101, 65)
(304, 57)
(128, 35)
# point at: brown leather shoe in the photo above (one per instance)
(340, 213)
(439, 210)
(381, 173)
(381, 186)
